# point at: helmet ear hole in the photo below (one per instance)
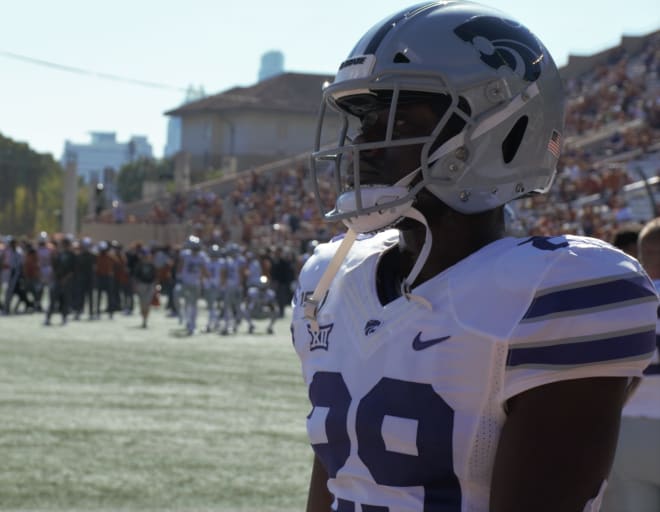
(400, 58)
(512, 141)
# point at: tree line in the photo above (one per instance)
(30, 189)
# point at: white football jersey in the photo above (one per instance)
(258, 297)
(408, 403)
(213, 267)
(233, 267)
(191, 268)
(254, 272)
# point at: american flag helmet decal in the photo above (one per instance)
(554, 144)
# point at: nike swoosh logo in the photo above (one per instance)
(418, 344)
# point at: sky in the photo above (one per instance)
(215, 44)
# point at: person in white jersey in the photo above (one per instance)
(232, 277)
(261, 302)
(634, 483)
(45, 257)
(452, 368)
(192, 272)
(253, 270)
(212, 288)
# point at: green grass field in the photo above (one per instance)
(106, 416)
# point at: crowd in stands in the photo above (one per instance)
(262, 210)
(612, 124)
(612, 120)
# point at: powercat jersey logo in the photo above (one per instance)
(503, 42)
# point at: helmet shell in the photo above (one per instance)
(501, 81)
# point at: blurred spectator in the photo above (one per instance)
(12, 266)
(105, 278)
(626, 239)
(634, 483)
(144, 272)
(63, 271)
(84, 279)
(282, 273)
(31, 278)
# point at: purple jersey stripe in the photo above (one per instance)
(595, 295)
(584, 352)
(345, 506)
(349, 506)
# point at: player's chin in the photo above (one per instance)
(431, 206)
(408, 224)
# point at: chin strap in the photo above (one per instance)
(312, 303)
(407, 283)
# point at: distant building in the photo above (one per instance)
(95, 159)
(250, 126)
(272, 63)
(173, 144)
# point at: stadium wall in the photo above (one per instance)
(580, 64)
(126, 234)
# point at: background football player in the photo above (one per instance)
(451, 367)
(212, 288)
(192, 272)
(260, 302)
(232, 275)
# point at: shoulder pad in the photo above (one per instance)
(493, 288)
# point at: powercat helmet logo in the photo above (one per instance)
(503, 42)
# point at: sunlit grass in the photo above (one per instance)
(103, 415)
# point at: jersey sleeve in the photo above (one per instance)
(592, 314)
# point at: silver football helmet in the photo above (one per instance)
(194, 243)
(500, 128)
(215, 252)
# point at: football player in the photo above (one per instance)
(451, 367)
(634, 482)
(232, 276)
(212, 287)
(192, 271)
(253, 270)
(261, 300)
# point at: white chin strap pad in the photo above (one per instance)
(372, 196)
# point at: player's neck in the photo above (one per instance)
(454, 239)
